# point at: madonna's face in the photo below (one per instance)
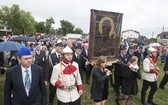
(106, 27)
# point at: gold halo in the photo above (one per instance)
(112, 26)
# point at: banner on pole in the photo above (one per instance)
(105, 30)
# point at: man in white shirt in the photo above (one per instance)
(25, 81)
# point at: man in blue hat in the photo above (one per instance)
(25, 82)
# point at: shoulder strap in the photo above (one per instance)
(62, 74)
(68, 69)
(50, 60)
(155, 66)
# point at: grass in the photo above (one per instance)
(161, 96)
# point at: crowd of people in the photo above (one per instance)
(65, 67)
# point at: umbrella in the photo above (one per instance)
(44, 40)
(138, 41)
(10, 46)
(24, 38)
(154, 45)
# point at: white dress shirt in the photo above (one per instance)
(24, 74)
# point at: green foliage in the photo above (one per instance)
(18, 20)
(49, 23)
(21, 22)
(153, 40)
(45, 27)
(40, 27)
(66, 27)
(141, 37)
(78, 31)
(28, 23)
(59, 31)
(1, 24)
(52, 31)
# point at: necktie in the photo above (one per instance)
(27, 82)
(33, 60)
(59, 56)
(38, 52)
(86, 52)
(77, 57)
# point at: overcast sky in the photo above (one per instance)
(144, 16)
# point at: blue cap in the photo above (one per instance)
(24, 51)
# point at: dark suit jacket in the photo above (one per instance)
(138, 54)
(84, 53)
(81, 61)
(53, 59)
(14, 85)
(40, 59)
(89, 67)
(166, 65)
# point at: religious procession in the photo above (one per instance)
(99, 69)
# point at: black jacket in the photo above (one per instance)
(14, 85)
(129, 85)
(81, 61)
(166, 65)
(53, 59)
(99, 84)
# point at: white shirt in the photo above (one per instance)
(86, 50)
(24, 74)
(58, 55)
(38, 52)
(77, 56)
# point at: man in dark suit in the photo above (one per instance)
(25, 82)
(40, 57)
(89, 67)
(165, 78)
(38, 60)
(77, 57)
(137, 53)
(54, 59)
(118, 73)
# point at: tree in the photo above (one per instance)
(52, 31)
(153, 40)
(28, 23)
(18, 20)
(49, 23)
(66, 27)
(4, 16)
(1, 24)
(59, 31)
(141, 37)
(78, 31)
(40, 27)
